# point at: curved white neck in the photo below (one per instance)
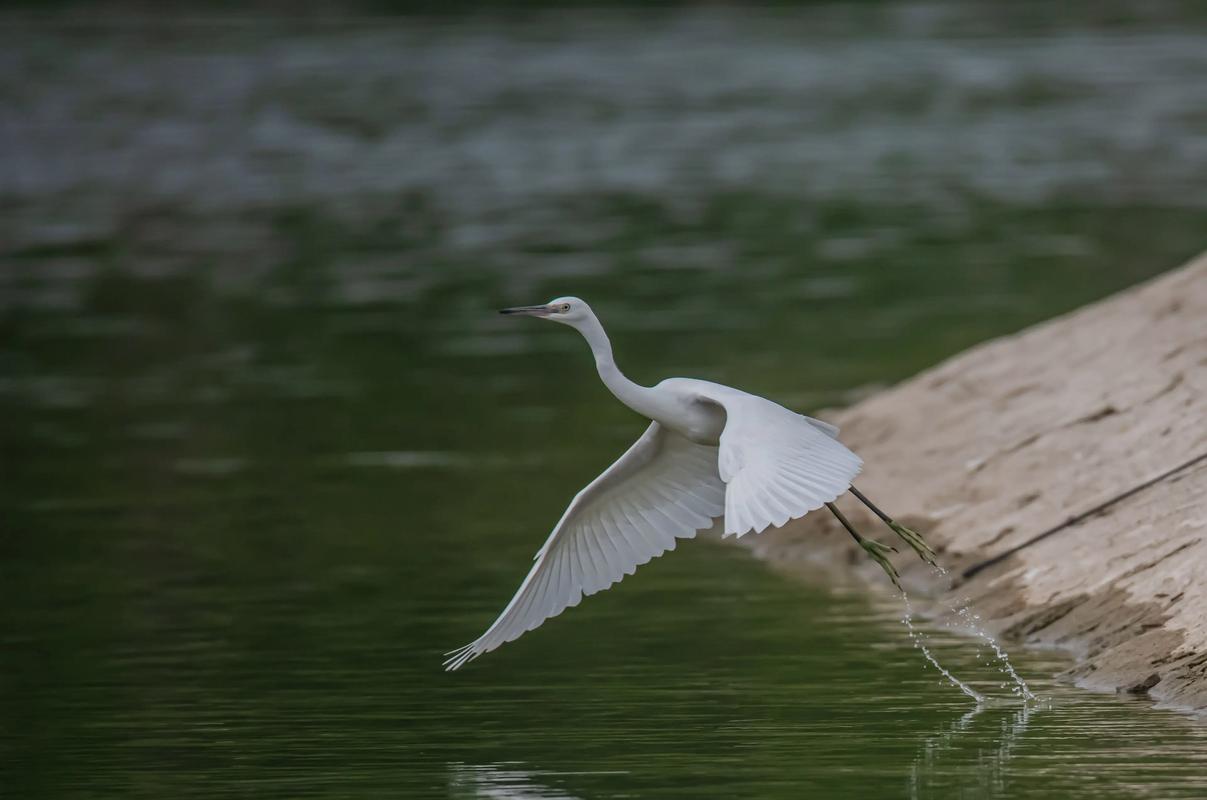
(639, 398)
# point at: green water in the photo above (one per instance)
(267, 452)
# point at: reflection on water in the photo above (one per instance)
(501, 782)
(266, 451)
(1068, 744)
(981, 774)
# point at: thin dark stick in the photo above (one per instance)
(1000, 557)
(834, 510)
(887, 519)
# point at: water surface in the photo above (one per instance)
(267, 452)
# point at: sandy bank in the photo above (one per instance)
(1008, 440)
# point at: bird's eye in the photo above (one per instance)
(565, 306)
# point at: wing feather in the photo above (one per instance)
(663, 488)
(777, 465)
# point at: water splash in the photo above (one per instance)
(972, 622)
(919, 641)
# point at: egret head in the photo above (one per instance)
(566, 310)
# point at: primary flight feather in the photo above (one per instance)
(710, 452)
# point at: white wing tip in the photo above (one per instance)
(461, 656)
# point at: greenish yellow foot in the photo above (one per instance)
(915, 540)
(879, 553)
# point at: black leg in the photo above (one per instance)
(888, 520)
(846, 524)
(910, 537)
(879, 552)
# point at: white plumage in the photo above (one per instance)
(711, 451)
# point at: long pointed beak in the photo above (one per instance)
(531, 311)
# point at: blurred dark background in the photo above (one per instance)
(266, 450)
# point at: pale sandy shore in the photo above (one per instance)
(994, 447)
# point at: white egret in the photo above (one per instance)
(710, 451)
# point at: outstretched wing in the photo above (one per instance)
(663, 488)
(777, 465)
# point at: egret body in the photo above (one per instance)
(710, 452)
